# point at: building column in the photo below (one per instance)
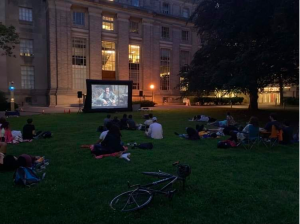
(60, 50)
(95, 51)
(156, 58)
(195, 41)
(146, 56)
(175, 61)
(122, 47)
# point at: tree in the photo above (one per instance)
(246, 45)
(8, 39)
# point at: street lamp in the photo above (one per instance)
(152, 88)
(12, 99)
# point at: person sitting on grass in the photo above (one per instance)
(287, 132)
(148, 121)
(116, 122)
(3, 147)
(2, 120)
(273, 121)
(191, 134)
(5, 133)
(131, 123)
(104, 133)
(123, 122)
(155, 130)
(106, 120)
(110, 145)
(29, 130)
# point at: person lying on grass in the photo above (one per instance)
(225, 123)
(110, 145)
(11, 163)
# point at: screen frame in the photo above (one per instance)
(88, 100)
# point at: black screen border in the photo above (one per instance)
(88, 100)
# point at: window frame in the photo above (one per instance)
(23, 49)
(136, 1)
(135, 68)
(164, 11)
(79, 70)
(30, 78)
(82, 19)
(165, 66)
(188, 12)
(167, 36)
(108, 23)
(137, 28)
(185, 38)
(27, 15)
(114, 67)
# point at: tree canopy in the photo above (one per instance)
(246, 45)
(8, 39)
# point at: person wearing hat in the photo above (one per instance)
(155, 130)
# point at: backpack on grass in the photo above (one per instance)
(25, 176)
(148, 145)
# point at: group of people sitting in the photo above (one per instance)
(110, 143)
(238, 133)
(8, 136)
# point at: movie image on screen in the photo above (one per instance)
(109, 96)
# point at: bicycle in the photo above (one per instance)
(143, 194)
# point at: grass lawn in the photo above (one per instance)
(226, 185)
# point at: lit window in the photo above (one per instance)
(134, 27)
(107, 23)
(108, 56)
(165, 32)
(78, 18)
(165, 69)
(135, 3)
(26, 47)
(134, 65)
(79, 63)
(185, 13)
(185, 35)
(165, 8)
(25, 14)
(27, 77)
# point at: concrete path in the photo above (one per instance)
(31, 110)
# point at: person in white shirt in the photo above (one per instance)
(155, 130)
(104, 133)
(148, 121)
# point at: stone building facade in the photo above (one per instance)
(65, 42)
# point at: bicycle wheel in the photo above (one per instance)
(131, 200)
(158, 174)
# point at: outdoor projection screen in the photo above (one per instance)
(104, 96)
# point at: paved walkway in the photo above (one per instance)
(31, 110)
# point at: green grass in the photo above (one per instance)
(226, 185)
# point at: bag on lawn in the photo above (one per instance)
(148, 145)
(47, 134)
(25, 176)
(226, 144)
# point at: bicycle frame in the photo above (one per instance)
(172, 179)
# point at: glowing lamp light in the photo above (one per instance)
(11, 88)
(152, 86)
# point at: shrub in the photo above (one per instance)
(216, 101)
(145, 103)
(4, 104)
(291, 100)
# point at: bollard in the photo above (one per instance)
(64, 111)
(69, 111)
(43, 111)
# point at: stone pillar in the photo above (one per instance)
(122, 47)
(60, 50)
(95, 21)
(175, 60)
(146, 51)
(156, 57)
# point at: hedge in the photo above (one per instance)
(291, 100)
(216, 101)
(6, 106)
(145, 103)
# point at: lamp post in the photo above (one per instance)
(12, 99)
(152, 88)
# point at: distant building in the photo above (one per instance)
(65, 42)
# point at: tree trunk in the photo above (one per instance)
(253, 105)
(281, 90)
